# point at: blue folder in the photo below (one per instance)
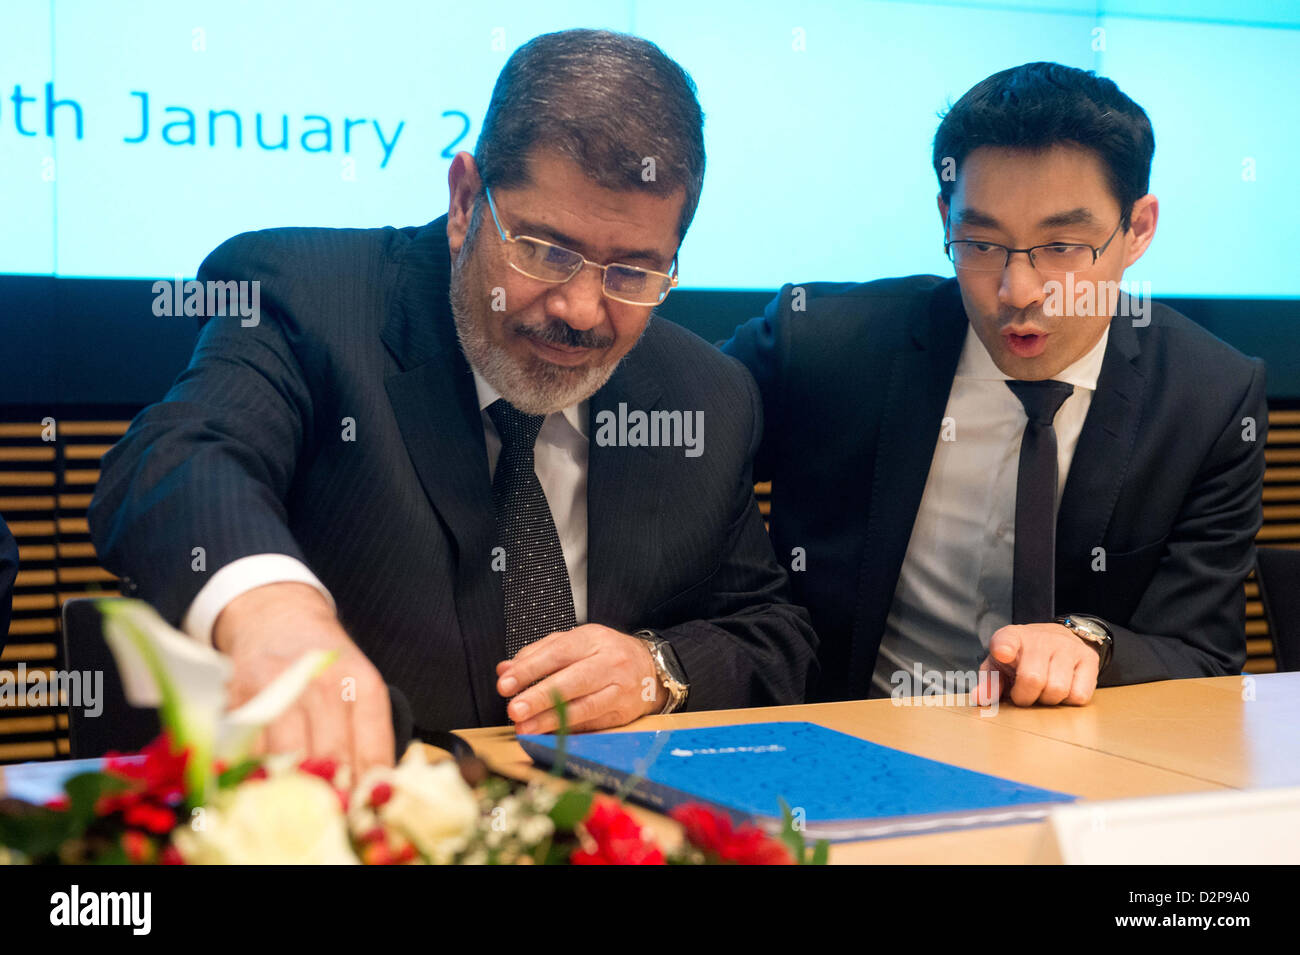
(841, 787)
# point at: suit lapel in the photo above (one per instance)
(1101, 457)
(920, 378)
(436, 407)
(624, 488)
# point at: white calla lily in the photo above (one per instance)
(186, 680)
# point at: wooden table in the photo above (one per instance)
(1178, 736)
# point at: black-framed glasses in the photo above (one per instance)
(977, 256)
(548, 262)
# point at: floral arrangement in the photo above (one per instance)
(196, 796)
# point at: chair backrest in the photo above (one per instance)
(118, 725)
(1278, 571)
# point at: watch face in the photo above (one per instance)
(1095, 631)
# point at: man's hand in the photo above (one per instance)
(344, 714)
(607, 679)
(1041, 663)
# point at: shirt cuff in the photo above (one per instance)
(238, 577)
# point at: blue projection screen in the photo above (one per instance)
(136, 136)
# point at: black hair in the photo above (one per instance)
(1039, 105)
(608, 101)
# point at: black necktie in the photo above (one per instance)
(538, 599)
(1033, 581)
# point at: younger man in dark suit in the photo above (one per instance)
(1021, 469)
(463, 455)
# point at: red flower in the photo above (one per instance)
(155, 819)
(161, 772)
(616, 837)
(324, 768)
(171, 856)
(118, 802)
(378, 853)
(138, 847)
(712, 833)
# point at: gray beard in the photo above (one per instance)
(534, 386)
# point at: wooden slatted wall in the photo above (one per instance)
(1281, 521)
(48, 473)
(46, 487)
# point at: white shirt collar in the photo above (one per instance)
(976, 362)
(575, 415)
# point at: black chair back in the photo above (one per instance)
(1278, 572)
(119, 725)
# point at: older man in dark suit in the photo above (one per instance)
(464, 455)
(1021, 470)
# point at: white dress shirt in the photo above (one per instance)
(954, 588)
(560, 460)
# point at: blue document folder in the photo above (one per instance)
(843, 788)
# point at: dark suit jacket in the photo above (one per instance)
(246, 455)
(1166, 477)
(8, 574)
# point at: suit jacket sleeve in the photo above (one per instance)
(210, 466)
(760, 345)
(1190, 622)
(753, 648)
(8, 574)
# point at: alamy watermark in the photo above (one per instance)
(209, 299)
(76, 689)
(653, 429)
(921, 687)
(1087, 298)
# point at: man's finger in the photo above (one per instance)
(561, 650)
(589, 712)
(996, 685)
(570, 682)
(259, 747)
(289, 733)
(1060, 677)
(1033, 665)
(1084, 683)
(372, 725)
(544, 643)
(1005, 646)
(979, 694)
(330, 737)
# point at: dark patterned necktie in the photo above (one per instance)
(1033, 580)
(538, 598)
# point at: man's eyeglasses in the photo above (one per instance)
(548, 262)
(1054, 257)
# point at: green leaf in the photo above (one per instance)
(553, 852)
(821, 853)
(237, 774)
(572, 807)
(84, 791)
(113, 854)
(34, 831)
(792, 837)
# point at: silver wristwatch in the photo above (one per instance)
(1092, 632)
(668, 670)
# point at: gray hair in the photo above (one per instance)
(609, 102)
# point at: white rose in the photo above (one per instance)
(290, 819)
(430, 806)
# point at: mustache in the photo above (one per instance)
(560, 333)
